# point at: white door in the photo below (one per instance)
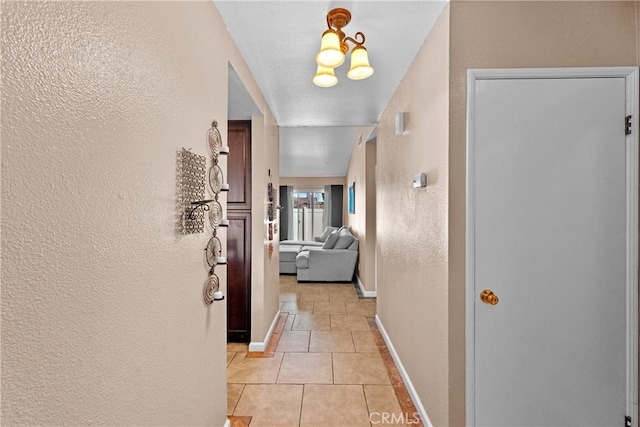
(551, 224)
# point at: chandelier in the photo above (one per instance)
(334, 49)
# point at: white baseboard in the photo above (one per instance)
(227, 423)
(261, 346)
(366, 294)
(405, 377)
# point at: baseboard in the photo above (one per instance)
(261, 346)
(366, 294)
(227, 423)
(405, 377)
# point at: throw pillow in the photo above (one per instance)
(331, 240)
(345, 239)
(328, 230)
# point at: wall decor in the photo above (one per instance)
(352, 198)
(191, 174)
(213, 253)
(215, 178)
(215, 215)
(270, 211)
(214, 139)
(211, 290)
(213, 250)
(271, 208)
(204, 204)
(270, 192)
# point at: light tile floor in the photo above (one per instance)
(327, 369)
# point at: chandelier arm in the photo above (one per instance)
(354, 41)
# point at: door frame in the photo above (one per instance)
(630, 74)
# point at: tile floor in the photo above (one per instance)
(330, 366)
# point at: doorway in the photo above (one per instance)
(552, 237)
(239, 232)
(242, 110)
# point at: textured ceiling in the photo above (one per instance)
(312, 151)
(279, 40)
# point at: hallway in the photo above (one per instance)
(326, 365)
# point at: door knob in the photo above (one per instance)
(488, 297)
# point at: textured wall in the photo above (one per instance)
(272, 266)
(361, 170)
(265, 295)
(370, 209)
(412, 223)
(102, 314)
(357, 222)
(516, 34)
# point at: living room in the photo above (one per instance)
(357, 189)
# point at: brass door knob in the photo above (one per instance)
(488, 297)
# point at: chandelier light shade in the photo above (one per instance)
(360, 68)
(325, 77)
(330, 55)
(334, 49)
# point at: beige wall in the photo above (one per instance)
(516, 34)
(102, 313)
(421, 247)
(356, 173)
(370, 210)
(361, 170)
(412, 223)
(264, 271)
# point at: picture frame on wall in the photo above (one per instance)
(352, 198)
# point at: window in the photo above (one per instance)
(308, 208)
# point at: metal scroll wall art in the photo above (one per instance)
(193, 176)
(213, 251)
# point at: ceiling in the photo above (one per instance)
(279, 40)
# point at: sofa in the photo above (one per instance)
(289, 250)
(331, 257)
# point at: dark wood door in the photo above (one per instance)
(239, 165)
(239, 232)
(239, 277)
